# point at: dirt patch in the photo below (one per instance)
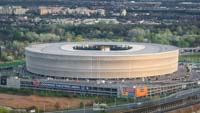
(191, 109)
(43, 103)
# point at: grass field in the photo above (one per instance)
(190, 58)
(12, 64)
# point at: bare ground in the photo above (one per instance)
(43, 103)
(191, 109)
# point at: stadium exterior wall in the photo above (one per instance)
(108, 67)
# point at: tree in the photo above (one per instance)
(179, 30)
(197, 41)
(4, 56)
(81, 104)
(60, 31)
(18, 35)
(18, 48)
(99, 99)
(68, 37)
(183, 43)
(49, 37)
(32, 36)
(79, 38)
(135, 33)
(140, 39)
(190, 39)
(57, 105)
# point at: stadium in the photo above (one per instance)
(101, 60)
(113, 69)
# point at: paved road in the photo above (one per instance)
(171, 98)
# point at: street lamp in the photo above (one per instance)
(44, 107)
(84, 106)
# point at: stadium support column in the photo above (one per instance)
(143, 79)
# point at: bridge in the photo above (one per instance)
(189, 51)
(174, 101)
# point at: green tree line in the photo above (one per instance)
(14, 39)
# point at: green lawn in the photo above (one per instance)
(12, 64)
(4, 110)
(190, 58)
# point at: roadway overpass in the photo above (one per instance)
(169, 99)
(189, 51)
